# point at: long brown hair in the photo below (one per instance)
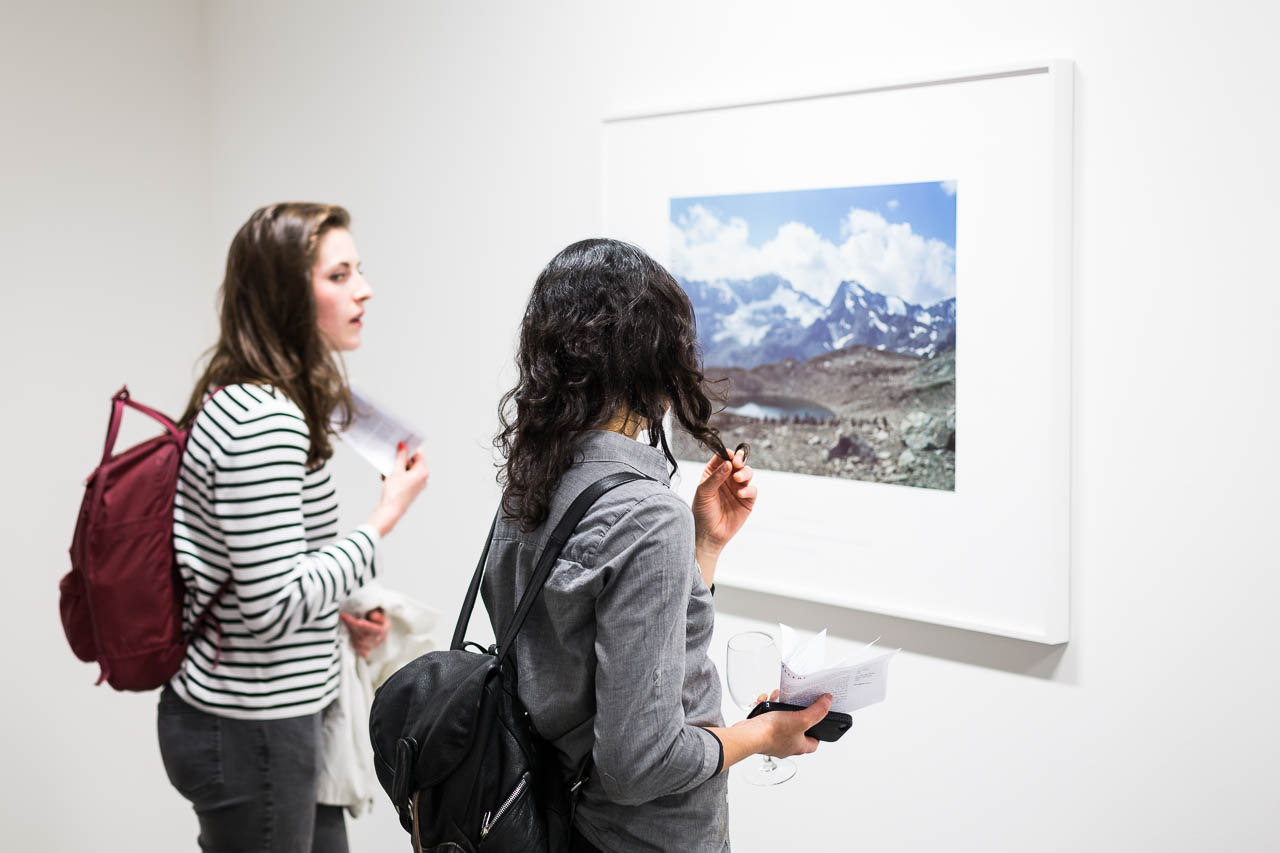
(269, 333)
(607, 331)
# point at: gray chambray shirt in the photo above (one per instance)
(613, 658)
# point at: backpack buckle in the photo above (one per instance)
(402, 784)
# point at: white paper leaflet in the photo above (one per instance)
(856, 682)
(375, 432)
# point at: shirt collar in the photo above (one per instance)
(599, 445)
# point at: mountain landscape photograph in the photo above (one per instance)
(830, 316)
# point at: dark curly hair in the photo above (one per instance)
(607, 332)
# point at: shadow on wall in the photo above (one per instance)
(1021, 657)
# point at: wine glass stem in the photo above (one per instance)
(769, 766)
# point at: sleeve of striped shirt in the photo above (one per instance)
(258, 499)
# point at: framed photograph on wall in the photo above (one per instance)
(881, 277)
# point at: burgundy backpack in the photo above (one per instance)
(122, 600)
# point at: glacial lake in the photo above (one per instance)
(779, 408)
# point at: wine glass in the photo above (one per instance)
(753, 666)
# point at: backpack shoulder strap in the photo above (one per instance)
(552, 548)
(546, 559)
(469, 603)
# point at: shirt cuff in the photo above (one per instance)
(372, 532)
(712, 756)
(375, 538)
(720, 762)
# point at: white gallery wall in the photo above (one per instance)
(465, 140)
(109, 277)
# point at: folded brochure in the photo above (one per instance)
(855, 682)
(374, 433)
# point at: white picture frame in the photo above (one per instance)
(994, 554)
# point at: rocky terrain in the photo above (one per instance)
(892, 416)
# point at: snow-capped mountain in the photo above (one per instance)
(749, 322)
(742, 320)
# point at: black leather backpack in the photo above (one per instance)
(453, 745)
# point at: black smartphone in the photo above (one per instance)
(829, 728)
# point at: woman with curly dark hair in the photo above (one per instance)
(612, 661)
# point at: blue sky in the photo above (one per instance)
(895, 239)
(927, 207)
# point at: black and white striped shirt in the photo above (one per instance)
(247, 508)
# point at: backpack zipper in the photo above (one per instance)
(488, 824)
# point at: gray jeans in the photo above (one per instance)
(252, 783)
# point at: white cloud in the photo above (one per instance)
(893, 204)
(949, 187)
(882, 256)
(704, 248)
(894, 260)
(803, 257)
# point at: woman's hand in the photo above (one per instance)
(367, 633)
(783, 732)
(724, 498)
(406, 481)
(777, 733)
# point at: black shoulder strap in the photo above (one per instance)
(469, 603)
(552, 548)
(546, 560)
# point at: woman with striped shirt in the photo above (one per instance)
(256, 536)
